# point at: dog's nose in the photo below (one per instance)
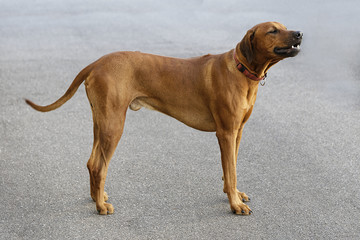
(298, 35)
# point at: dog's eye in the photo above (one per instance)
(273, 31)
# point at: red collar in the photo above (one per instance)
(245, 71)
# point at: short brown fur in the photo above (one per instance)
(207, 93)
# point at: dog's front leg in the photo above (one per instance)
(227, 142)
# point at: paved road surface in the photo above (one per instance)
(299, 159)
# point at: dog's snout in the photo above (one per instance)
(298, 35)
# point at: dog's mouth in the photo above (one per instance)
(289, 51)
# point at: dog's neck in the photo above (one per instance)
(243, 69)
(256, 68)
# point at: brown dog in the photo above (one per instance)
(209, 93)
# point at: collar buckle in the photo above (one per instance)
(263, 81)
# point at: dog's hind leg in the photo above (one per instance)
(90, 164)
(107, 133)
(109, 112)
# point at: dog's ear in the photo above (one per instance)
(246, 46)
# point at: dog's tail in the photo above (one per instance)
(69, 93)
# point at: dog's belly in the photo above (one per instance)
(194, 116)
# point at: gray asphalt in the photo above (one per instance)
(299, 158)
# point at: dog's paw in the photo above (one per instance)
(240, 208)
(105, 209)
(243, 196)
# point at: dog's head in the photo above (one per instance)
(270, 41)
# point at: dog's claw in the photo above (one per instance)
(240, 208)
